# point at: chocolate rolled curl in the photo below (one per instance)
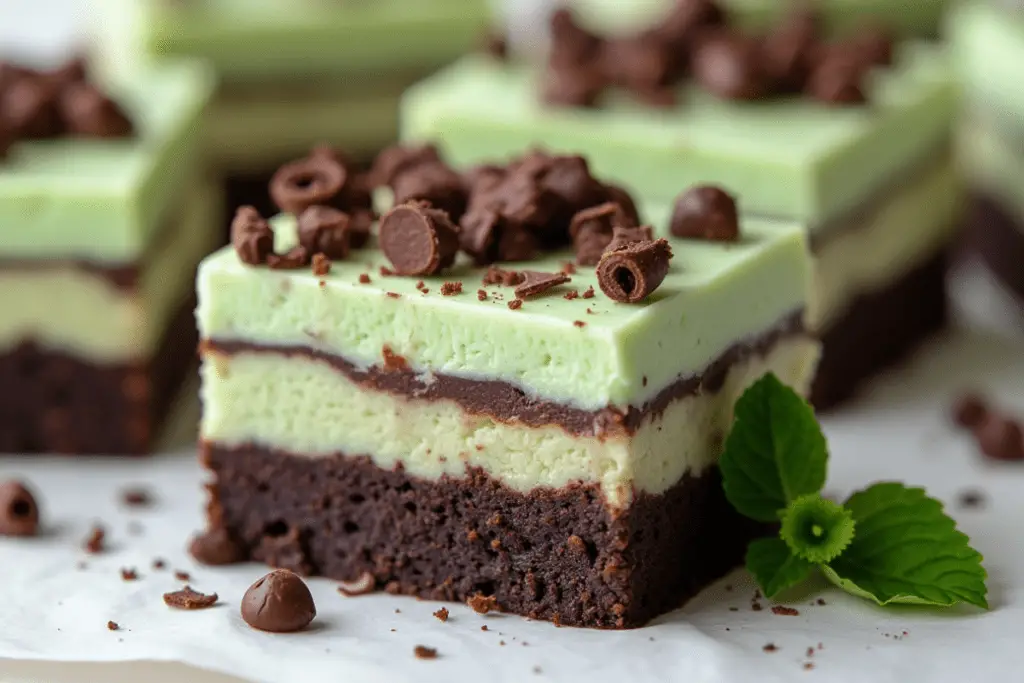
(251, 236)
(418, 239)
(705, 212)
(630, 272)
(317, 179)
(325, 230)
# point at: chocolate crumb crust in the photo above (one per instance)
(272, 503)
(507, 403)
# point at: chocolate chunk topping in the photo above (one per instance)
(1000, 438)
(483, 177)
(535, 282)
(591, 230)
(417, 239)
(731, 67)
(317, 179)
(789, 49)
(280, 602)
(216, 548)
(397, 159)
(836, 79)
(19, 513)
(296, 257)
(324, 230)
(186, 598)
(631, 272)
(969, 410)
(251, 236)
(706, 212)
(488, 236)
(86, 111)
(434, 183)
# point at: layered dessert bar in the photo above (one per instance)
(988, 40)
(105, 217)
(295, 71)
(850, 137)
(457, 410)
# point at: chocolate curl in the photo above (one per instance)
(317, 179)
(631, 272)
(417, 239)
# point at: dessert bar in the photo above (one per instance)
(457, 407)
(105, 217)
(850, 137)
(988, 40)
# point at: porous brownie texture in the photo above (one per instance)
(554, 554)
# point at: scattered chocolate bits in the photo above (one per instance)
(482, 604)
(498, 276)
(481, 295)
(515, 304)
(95, 541)
(182, 575)
(535, 282)
(770, 647)
(451, 288)
(216, 547)
(129, 574)
(321, 265)
(364, 585)
(783, 610)
(971, 499)
(159, 563)
(364, 279)
(136, 497)
(324, 230)
(113, 626)
(705, 212)
(836, 79)
(189, 599)
(631, 272)
(424, 652)
(969, 410)
(417, 239)
(442, 614)
(280, 602)
(19, 512)
(588, 293)
(317, 179)
(251, 236)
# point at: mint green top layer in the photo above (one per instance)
(783, 157)
(99, 199)
(259, 40)
(714, 296)
(988, 44)
(906, 17)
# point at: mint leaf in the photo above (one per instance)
(816, 529)
(775, 452)
(907, 550)
(774, 567)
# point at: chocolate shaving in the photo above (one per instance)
(535, 282)
(631, 272)
(189, 599)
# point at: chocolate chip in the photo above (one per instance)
(535, 282)
(705, 212)
(28, 107)
(86, 111)
(789, 49)
(317, 179)
(397, 159)
(113, 626)
(216, 547)
(324, 230)
(136, 497)
(189, 599)
(321, 265)
(731, 67)
(1000, 438)
(630, 273)
(969, 410)
(251, 236)
(434, 183)
(296, 257)
(836, 79)
(280, 602)
(971, 499)
(19, 513)
(417, 239)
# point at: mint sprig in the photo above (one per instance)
(888, 543)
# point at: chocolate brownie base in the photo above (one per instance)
(880, 329)
(51, 402)
(997, 236)
(555, 554)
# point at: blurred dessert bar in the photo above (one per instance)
(850, 136)
(105, 217)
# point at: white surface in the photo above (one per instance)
(53, 611)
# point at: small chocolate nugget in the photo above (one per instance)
(19, 513)
(280, 602)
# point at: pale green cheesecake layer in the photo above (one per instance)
(793, 158)
(715, 295)
(256, 41)
(987, 42)
(104, 199)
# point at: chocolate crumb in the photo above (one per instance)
(182, 576)
(294, 258)
(321, 265)
(770, 647)
(810, 652)
(570, 295)
(756, 606)
(186, 598)
(19, 512)
(484, 627)
(515, 304)
(969, 410)
(129, 574)
(808, 666)
(159, 563)
(420, 284)
(502, 643)
(482, 604)
(364, 585)
(451, 288)
(500, 276)
(589, 311)
(1000, 438)
(535, 282)
(481, 295)
(393, 295)
(569, 268)
(424, 652)
(94, 542)
(364, 279)
(113, 626)
(971, 499)
(579, 323)
(442, 614)
(386, 272)
(588, 293)
(393, 362)
(783, 610)
(821, 601)
(136, 497)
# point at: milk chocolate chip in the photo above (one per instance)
(280, 602)
(706, 212)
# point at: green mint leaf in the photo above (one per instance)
(774, 567)
(775, 452)
(907, 550)
(816, 529)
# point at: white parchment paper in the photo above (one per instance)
(51, 611)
